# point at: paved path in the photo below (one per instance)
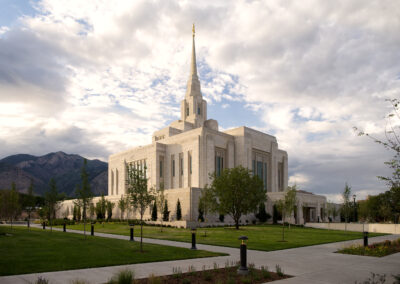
(313, 264)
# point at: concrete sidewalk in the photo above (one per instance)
(313, 264)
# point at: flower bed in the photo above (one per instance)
(377, 249)
(217, 275)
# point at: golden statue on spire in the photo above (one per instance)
(193, 30)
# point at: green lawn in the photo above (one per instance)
(265, 237)
(23, 252)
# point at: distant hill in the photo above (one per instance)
(64, 168)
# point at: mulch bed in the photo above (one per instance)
(220, 275)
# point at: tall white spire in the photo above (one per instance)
(193, 85)
(193, 70)
(194, 107)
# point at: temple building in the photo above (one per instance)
(182, 156)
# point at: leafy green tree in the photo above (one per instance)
(346, 207)
(178, 210)
(122, 206)
(84, 194)
(101, 207)
(391, 143)
(52, 202)
(166, 212)
(10, 204)
(154, 212)
(30, 203)
(207, 203)
(139, 196)
(110, 207)
(236, 192)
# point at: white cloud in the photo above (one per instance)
(113, 72)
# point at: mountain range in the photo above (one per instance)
(64, 168)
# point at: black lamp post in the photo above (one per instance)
(355, 208)
(243, 270)
(131, 225)
(365, 239)
(65, 227)
(44, 225)
(193, 238)
(92, 229)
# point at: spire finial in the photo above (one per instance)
(193, 30)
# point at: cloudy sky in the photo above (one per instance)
(97, 77)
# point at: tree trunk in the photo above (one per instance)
(283, 230)
(141, 233)
(237, 223)
(84, 228)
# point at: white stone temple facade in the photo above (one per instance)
(184, 154)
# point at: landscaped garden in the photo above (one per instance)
(24, 251)
(261, 237)
(377, 249)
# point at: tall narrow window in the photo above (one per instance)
(112, 182)
(265, 176)
(173, 167)
(198, 111)
(190, 164)
(219, 161)
(181, 165)
(180, 169)
(161, 169)
(116, 181)
(187, 111)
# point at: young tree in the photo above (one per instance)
(139, 197)
(78, 213)
(236, 192)
(178, 210)
(92, 210)
(281, 207)
(110, 207)
(74, 213)
(30, 203)
(286, 206)
(346, 207)
(166, 212)
(122, 206)
(290, 201)
(160, 199)
(84, 194)
(154, 212)
(52, 201)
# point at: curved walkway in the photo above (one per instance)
(312, 264)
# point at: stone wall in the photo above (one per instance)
(358, 227)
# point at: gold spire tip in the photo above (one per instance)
(193, 30)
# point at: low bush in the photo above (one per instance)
(377, 249)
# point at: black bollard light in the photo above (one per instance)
(44, 225)
(193, 238)
(92, 229)
(132, 225)
(65, 227)
(243, 270)
(365, 239)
